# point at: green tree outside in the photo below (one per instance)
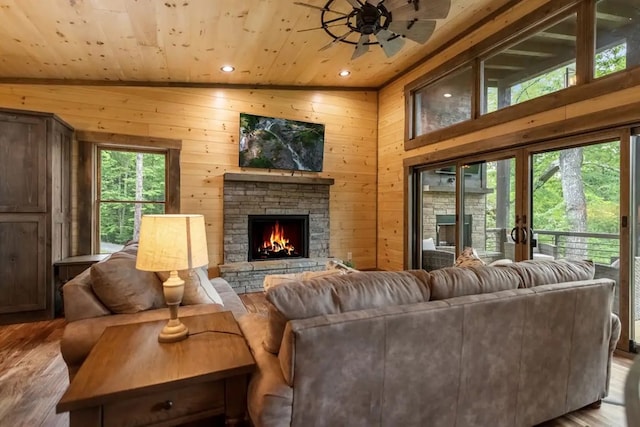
(118, 182)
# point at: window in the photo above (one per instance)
(536, 59)
(132, 183)
(118, 178)
(617, 36)
(540, 64)
(444, 102)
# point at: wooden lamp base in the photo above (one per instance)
(173, 289)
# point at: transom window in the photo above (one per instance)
(541, 54)
(540, 64)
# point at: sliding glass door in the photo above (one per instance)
(562, 199)
(575, 208)
(488, 208)
(482, 218)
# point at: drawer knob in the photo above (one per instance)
(167, 405)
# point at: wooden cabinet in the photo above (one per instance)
(35, 211)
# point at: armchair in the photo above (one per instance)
(433, 259)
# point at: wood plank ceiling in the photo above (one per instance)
(187, 41)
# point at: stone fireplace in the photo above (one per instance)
(252, 205)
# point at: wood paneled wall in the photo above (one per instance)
(207, 122)
(391, 153)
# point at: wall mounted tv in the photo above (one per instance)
(473, 169)
(272, 143)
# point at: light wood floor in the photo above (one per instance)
(33, 377)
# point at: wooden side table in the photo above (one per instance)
(131, 379)
(68, 268)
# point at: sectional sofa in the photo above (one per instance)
(485, 346)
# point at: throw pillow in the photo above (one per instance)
(124, 289)
(197, 287)
(428, 245)
(469, 258)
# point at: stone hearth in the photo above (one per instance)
(256, 194)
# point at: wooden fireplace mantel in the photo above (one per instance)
(280, 179)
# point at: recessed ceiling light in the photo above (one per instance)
(344, 73)
(227, 68)
(447, 95)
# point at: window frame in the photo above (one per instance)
(99, 201)
(88, 178)
(586, 86)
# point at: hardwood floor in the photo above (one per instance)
(33, 377)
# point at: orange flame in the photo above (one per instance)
(278, 241)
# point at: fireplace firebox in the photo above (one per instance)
(278, 236)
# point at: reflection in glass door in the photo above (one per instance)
(437, 198)
(576, 207)
(488, 209)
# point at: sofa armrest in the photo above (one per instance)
(230, 299)
(79, 300)
(613, 341)
(269, 397)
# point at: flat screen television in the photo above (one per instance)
(272, 143)
(473, 169)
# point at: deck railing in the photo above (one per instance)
(603, 248)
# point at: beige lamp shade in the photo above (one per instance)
(172, 242)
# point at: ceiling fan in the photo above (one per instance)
(388, 22)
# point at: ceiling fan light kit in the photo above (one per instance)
(379, 22)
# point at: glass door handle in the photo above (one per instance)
(515, 236)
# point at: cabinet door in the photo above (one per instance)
(23, 285)
(23, 163)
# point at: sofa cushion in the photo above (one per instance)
(124, 289)
(197, 287)
(338, 294)
(455, 281)
(547, 272)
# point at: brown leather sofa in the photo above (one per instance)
(88, 315)
(501, 346)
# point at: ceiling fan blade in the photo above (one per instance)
(335, 41)
(319, 8)
(418, 31)
(320, 28)
(362, 47)
(401, 10)
(374, 2)
(355, 3)
(390, 46)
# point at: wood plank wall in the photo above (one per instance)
(207, 122)
(391, 153)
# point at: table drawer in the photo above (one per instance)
(153, 408)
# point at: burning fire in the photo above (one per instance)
(277, 242)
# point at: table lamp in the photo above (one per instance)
(172, 243)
